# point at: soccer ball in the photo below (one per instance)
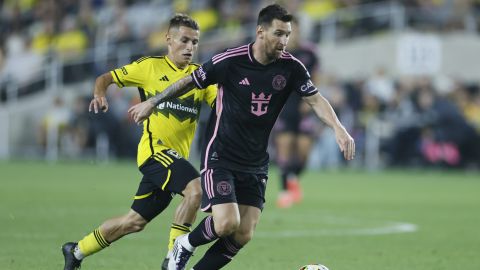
(314, 267)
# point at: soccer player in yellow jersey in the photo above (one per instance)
(164, 146)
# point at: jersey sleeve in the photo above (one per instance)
(129, 75)
(302, 82)
(210, 95)
(206, 74)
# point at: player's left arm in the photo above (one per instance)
(325, 112)
(143, 110)
(201, 78)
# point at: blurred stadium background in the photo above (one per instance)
(403, 76)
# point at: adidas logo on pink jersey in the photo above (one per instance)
(244, 82)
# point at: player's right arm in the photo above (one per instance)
(99, 100)
(322, 108)
(325, 112)
(133, 74)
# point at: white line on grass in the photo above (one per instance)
(389, 228)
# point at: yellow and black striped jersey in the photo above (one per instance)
(172, 123)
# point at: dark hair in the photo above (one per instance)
(271, 12)
(183, 20)
(295, 20)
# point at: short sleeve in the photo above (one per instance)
(129, 75)
(302, 82)
(206, 75)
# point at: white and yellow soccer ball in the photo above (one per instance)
(314, 267)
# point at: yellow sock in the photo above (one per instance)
(175, 231)
(92, 243)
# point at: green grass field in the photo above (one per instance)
(395, 220)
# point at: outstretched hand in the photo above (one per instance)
(346, 143)
(141, 111)
(98, 102)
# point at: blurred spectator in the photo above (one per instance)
(206, 17)
(236, 14)
(120, 32)
(3, 86)
(472, 108)
(113, 23)
(468, 100)
(71, 43)
(439, 14)
(431, 13)
(70, 46)
(381, 87)
(127, 137)
(86, 18)
(22, 66)
(476, 12)
(432, 131)
(54, 127)
(17, 13)
(319, 10)
(43, 37)
(81, 136)
(2, 59)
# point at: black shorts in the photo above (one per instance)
(166, 173)
(220, 185)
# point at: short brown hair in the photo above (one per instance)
(271, 12)
(183, 20)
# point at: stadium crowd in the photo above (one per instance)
(430, 121)
(426, 123)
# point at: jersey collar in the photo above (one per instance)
(253, 60)
(250, 54)
(173, 66)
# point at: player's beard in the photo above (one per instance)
(273, 54)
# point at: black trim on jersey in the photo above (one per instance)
(195, 64)
(143, 97)
(142, 58)
(147, 57)
(174, 69)
(118, 79)
(141, 91)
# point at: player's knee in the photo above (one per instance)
(243, 236)
(134, 224)
(226, 227)
(193, 193)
